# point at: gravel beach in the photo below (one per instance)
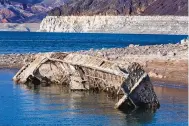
(168, 62)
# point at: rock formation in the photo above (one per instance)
(116, 24)
(121, 7)
(31, 12)
(84, 72)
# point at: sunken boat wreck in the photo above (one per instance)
(84, 72)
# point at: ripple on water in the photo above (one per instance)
(55, 105)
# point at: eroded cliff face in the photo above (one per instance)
(116, 24)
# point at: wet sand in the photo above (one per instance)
(168, 63)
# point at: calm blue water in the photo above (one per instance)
(24, 42)
(57, 106)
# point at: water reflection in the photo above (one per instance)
(66, 102)
(58, 105)
(172, 95)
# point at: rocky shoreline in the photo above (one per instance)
(167, 62)
(25, 27)
(162, 62)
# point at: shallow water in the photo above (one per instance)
(55, 105)
(25, 42)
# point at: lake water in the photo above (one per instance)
(58, 106)
(24, 42)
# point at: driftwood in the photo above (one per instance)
(83, 72)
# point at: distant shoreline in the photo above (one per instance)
(23, 27)
(175, 25)
(167, 62)
(172, 25)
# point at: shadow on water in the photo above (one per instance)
(58, 105)
(139, 116)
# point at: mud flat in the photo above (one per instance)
(162, 62)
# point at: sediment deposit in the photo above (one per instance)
(116, 24)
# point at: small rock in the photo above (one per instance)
(137, 45)
(164, 54)
(131, 46)
(184, 41)
(91, 50)
(155, 75)
(159, 53)
(171, 53)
